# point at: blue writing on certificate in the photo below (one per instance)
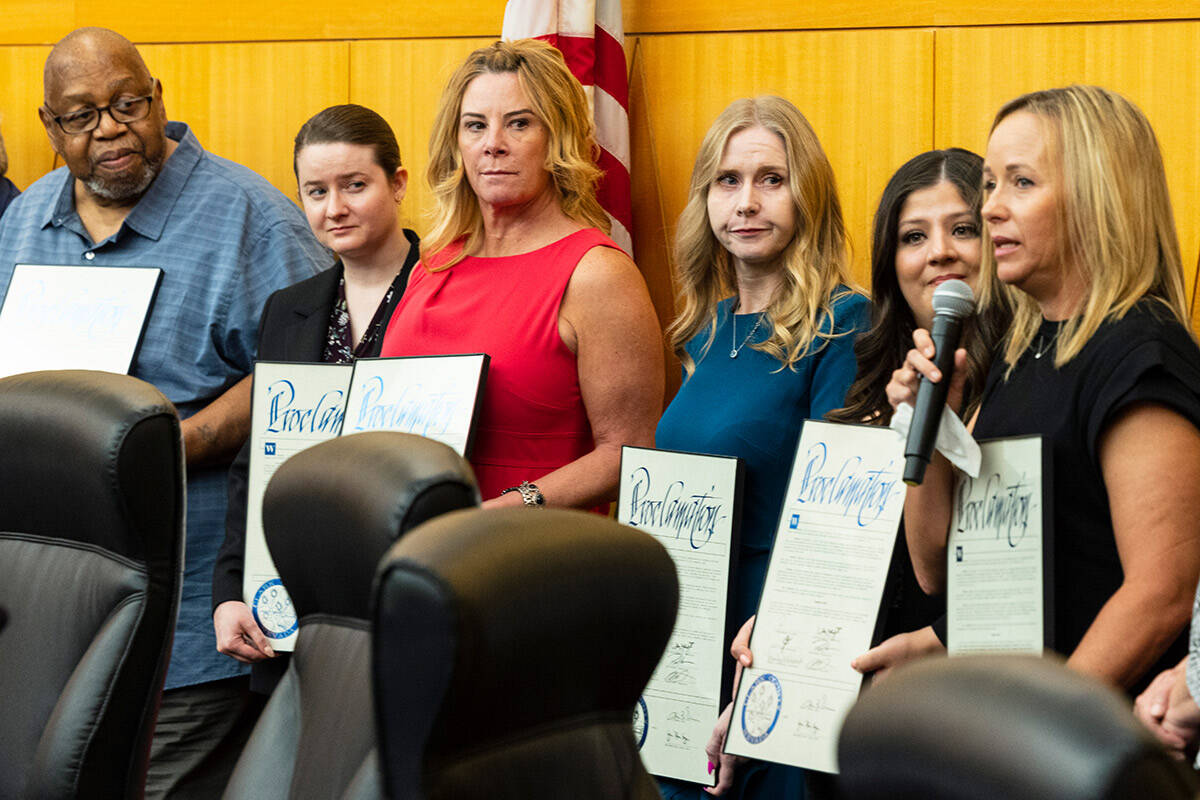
(285, 415)
(688, 513)
(93, 314)
(1002, 510)
(415, 409)
(852, 487)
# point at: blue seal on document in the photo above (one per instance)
(760, 709)
(641, 722)
(273, 610)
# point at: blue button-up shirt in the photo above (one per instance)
(225, 239)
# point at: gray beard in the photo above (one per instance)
(126, 189)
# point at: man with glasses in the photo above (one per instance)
(140, 191)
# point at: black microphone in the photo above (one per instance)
(953, 302)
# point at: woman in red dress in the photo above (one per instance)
(519, 268)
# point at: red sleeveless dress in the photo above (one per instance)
(532, 419)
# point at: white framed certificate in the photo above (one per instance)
(692, 504)
(58, 317)
(293, 407)
(999, 557)
(822, 595)
(433, 396)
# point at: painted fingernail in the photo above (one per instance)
(711, 767)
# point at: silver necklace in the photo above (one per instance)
(1044, 347)
(737, 348)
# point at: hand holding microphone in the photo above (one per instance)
(953, 303)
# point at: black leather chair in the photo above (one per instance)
(1001, 728)
(91, 542)
(510, 649)
(330, 513)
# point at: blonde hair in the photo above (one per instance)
(557, 100)
(1114, 215)
(814, 261)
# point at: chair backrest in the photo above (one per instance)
(1001, 728)
(91, 539)
(510, 648)
(330, 512)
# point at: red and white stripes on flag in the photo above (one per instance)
(590, 35)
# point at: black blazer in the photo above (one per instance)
(293, 327)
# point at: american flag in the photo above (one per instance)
(590, 35)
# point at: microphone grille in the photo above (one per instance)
(954, 298)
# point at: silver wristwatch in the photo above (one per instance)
(529, 493)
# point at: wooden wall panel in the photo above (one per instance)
(403, 80)
(162, 21)
(247, 101)
(1154, 65)
(710, 16)
(707, 16)
(256, 20)
(868, 95)
(38, 21)
(29, 153)
(1024, 12)
(651, 231)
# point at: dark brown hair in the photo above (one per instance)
(351, 124)
(882, 349)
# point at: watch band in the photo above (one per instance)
(529, 493)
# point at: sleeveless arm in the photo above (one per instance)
(607, 318)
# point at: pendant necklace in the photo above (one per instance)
(737, 348)
(1044, 347)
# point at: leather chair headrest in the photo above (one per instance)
(1000, 728)
(550, 618)
(331, 511)
(92, 416)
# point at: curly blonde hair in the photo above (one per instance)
(557, 100)
(815, 261)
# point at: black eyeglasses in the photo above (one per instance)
(123, 109)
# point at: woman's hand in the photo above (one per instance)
(1151, 705)
(740, 648)
(723, 763)
(238, 635)
(927, 507)
(1182, 720)
(919, 362)
(880, 660)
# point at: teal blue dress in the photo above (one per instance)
(749, 407)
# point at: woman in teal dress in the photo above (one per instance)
(765, 333)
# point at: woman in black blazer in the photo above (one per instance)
(351, 182)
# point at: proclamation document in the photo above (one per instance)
(433, 396)
(74, 317)
(999, 584)
(294, 407)
(692, 504)
(822, 595)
